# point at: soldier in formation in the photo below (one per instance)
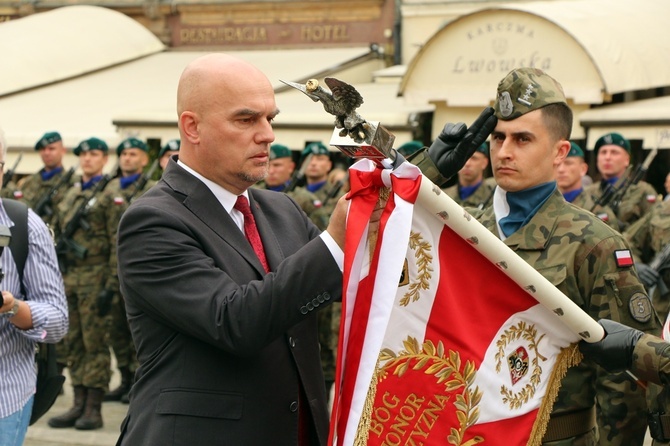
(133, 155)
(613, 159)
(85, 226)
(569, 176)
(472, 189)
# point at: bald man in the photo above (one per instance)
(222, 300)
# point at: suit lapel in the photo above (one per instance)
(203, 205)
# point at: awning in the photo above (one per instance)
(647, 120)
(595, 48)
(67, 42)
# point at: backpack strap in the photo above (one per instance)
(18, 213)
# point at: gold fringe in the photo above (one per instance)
(363, 431)
(568, 357)
(384, 194)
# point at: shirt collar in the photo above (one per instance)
(225, 197)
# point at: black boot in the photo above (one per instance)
(124, 387)
(70, 417)
(92, 418)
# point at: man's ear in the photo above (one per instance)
(562, 153)
(188, 123)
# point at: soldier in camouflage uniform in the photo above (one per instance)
(472, 189)
(170, 148)
(570, 247)
(569, 176)
(613, 157)
(133, 155)
(280, 171)
(648, 237)
(89, 279)
(34, 188)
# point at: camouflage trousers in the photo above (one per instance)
(88, 354)
(120, 339)
(622, 414)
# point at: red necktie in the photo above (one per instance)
(251, 231)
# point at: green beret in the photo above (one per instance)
(46, 139)
(524, 90)
(279, 151)
(613, 139)
(575, 150)
(410, 147)
(484, 148)
(170, 146)
(131, 143)
(91, 144)
(316, 148)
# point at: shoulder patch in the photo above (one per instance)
(18, 194)
(651, 198)
(623, 258)
(640, 307)
(603, 216)
(119, 200)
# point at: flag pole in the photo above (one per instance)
(445, 209)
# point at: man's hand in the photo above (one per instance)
(615, 351)
(456, 143)
(647, 274)
(105, 299)
(338, 219)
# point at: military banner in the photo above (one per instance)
(438, 345)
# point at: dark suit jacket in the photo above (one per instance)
(223, 348)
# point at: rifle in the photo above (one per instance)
(10, 173)
(612, 196)
(659, 260)
(65, 243)
(43, 206)
(298, 175)
(143, 180)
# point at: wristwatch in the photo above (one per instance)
(12, 312)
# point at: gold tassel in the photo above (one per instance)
(384, 194)
(568, 357)
(363, 431)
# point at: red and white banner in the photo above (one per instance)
(437, 345)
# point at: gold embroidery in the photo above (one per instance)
(448, 369)
(528, 333)
(424, 260)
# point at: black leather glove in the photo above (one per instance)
(456, 143)
(615, 351)
(105, 299)
(647, 274)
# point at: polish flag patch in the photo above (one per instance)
(623, 258)
(651, 198)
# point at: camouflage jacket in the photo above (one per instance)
(651, 360)
(33, 188)
(97, 235)
(114, 188)
(637, 200)
(326, 199)
(480, 198)
(576, 252)
(605, 213)
(647, 237)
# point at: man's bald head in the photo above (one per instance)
(214, 72)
